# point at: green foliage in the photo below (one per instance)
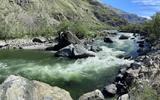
(156, 26)
(150, 28)
(79, 28)
(133, 28)
(145, 93)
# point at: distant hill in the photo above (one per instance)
(131, 18)
(39, 17)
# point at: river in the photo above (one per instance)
(76, 76)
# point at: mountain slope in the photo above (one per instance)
(39, 17)
(131, 18)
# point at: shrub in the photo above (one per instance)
(79, 28)
(145, 93)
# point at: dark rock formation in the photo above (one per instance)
(74, 51)
(39, 40)
(65, 39)
(141, 41)
(110, 90)
(95, 48)
(108, 40)
(123, 37)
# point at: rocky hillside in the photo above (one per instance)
(40, 17)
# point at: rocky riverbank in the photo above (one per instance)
(37, 43)
(68, 45)
(132, 80)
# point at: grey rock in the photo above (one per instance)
(74, 51)
(64, 39)
(123, 37)
(135, 65)
(119, 77)
(110, 90)
(95, 48)
(133, 72)
(3, 44)
(94, 95)
(124, 97)
(107, 40)
(19, 88)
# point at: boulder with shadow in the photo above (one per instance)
(64, 39)
(74, 51)
(123, 37)
(108, 40)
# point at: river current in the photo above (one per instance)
(76, 76)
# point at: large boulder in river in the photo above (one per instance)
(65, 39)
(108, 40)
(19, 88)
(94, 95)
(74, 51)
(123, 37)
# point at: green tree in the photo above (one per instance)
(156, 26)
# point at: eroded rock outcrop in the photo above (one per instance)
(19, 88)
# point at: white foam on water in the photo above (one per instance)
(79, 69)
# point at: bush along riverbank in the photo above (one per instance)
(137, 81)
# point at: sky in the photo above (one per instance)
(144, 8)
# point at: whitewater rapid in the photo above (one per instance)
(76, 76)
(68, 70)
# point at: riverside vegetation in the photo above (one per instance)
(82, 28)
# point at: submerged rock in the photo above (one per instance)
(75, 52)
(123, 37)
(108, 40)
(95, 48)
(94, 95)
(19, 88)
